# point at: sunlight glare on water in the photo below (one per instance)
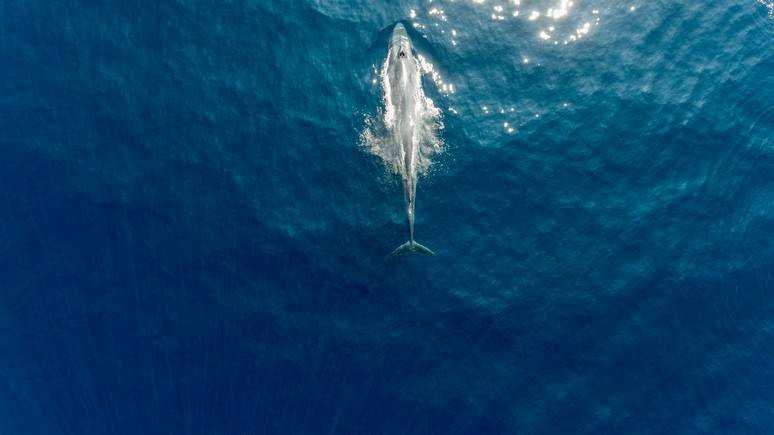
(769, 5)
(556, 21)
(555, 24)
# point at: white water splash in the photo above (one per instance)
(378, 136)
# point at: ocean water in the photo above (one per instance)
(194, 232)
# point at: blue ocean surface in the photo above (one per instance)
(194, 233)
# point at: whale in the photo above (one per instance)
(402, 85)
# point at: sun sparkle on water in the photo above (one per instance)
(557, 25)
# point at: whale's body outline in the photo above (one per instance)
(403, 89)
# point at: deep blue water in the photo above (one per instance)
(193, 238)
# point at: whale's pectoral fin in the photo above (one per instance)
(412, 247)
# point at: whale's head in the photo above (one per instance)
(400, 44)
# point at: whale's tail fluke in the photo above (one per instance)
(411, 247)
